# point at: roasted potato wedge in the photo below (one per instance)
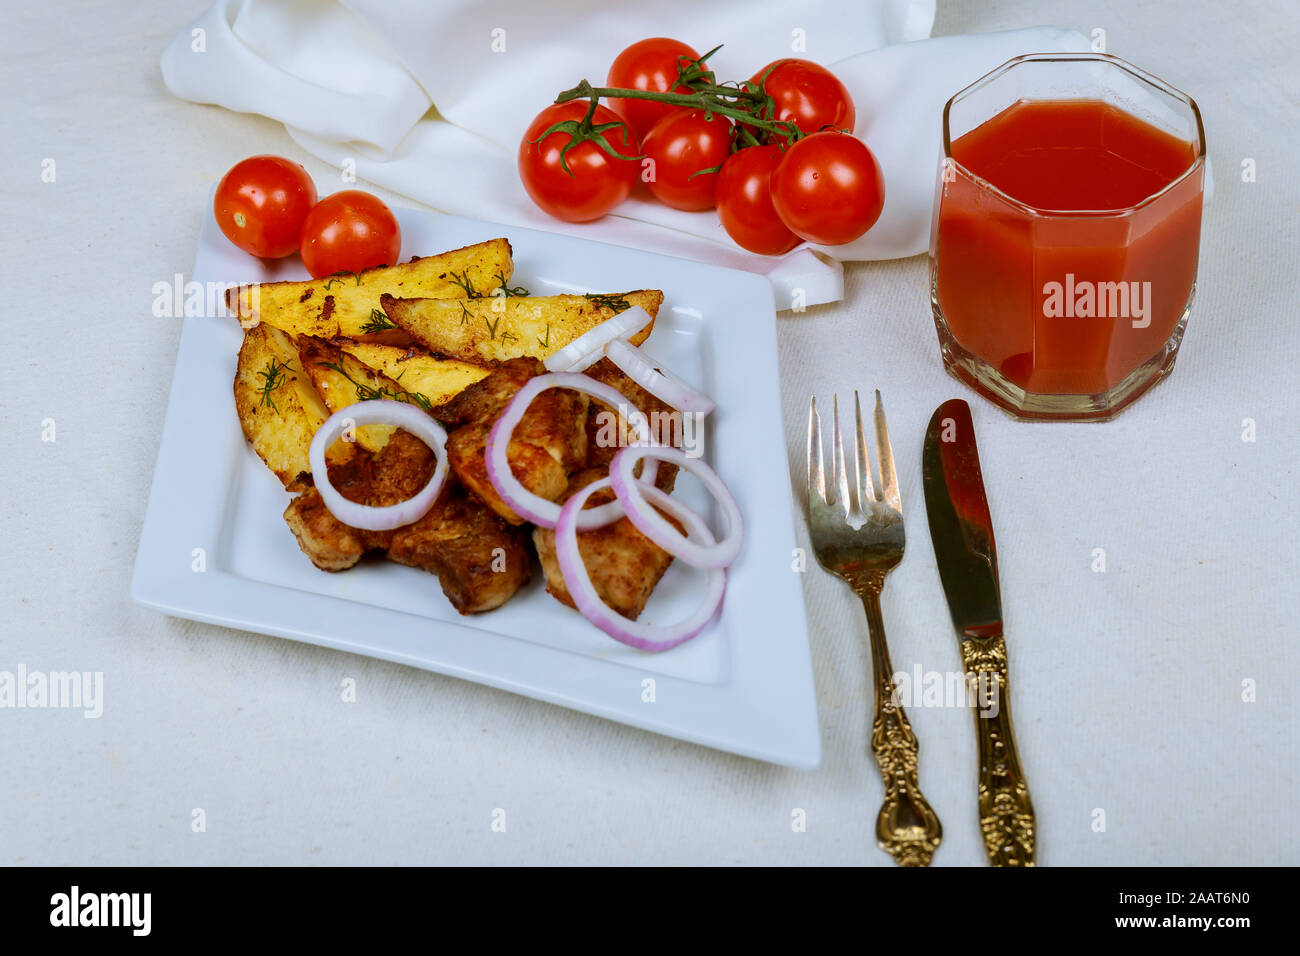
(278, 407)
(348, 304)
(415, 369)
(491, 330)
(341, 380)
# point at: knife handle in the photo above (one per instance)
(1006, 812)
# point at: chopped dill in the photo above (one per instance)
(367, 392)
(339, 276)
(272, 378)
(609, 300)
(378, 322)
(504, 288)
(462, 279)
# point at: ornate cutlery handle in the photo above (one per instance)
(906, 827)
(1006, 812)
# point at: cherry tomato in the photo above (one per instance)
(598, 182)
(680, 145)
(828, 189)
(349, 231)
(808, 95)
(261, 203)
(650, 65)
(745, 202)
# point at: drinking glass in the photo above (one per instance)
(1066, 231)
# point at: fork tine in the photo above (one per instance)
(816, 477)
(866, 488)
(839, 471)
(885, 455)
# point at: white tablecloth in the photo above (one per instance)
(1128, 684)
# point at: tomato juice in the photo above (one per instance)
(1064, 254)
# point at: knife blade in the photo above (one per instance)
(961, 529)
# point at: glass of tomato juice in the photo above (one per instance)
(1066, 230)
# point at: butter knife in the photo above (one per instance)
(962, 531)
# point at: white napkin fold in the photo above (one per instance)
(353, 82)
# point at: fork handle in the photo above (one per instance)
(906, 827)
(1006, 812)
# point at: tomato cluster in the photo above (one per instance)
(776, 155)
(266, 205)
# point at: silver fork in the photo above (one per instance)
(859, 537)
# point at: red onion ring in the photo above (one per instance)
(519, 499)
(659, 382)
(627, 490)
(379, 412)
(644, 637)
(589, 348)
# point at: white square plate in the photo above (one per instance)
(743, 685)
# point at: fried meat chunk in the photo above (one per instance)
(665, 422)
(624, 565)
(549, 442)
(480, 560)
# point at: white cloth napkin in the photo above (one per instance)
(429, 100)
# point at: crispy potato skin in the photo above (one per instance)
(341, 380)
(279, 424)
(491, 330)
(322, 361)
(415, 369)
(341, 305)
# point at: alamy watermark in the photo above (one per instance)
(1084, 299)
(71, 690)
(177, 299)
(75, 908)
(947, 689)
(684, 430)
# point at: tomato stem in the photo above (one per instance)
(748, 103)
(583, 131)
(712, 99)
